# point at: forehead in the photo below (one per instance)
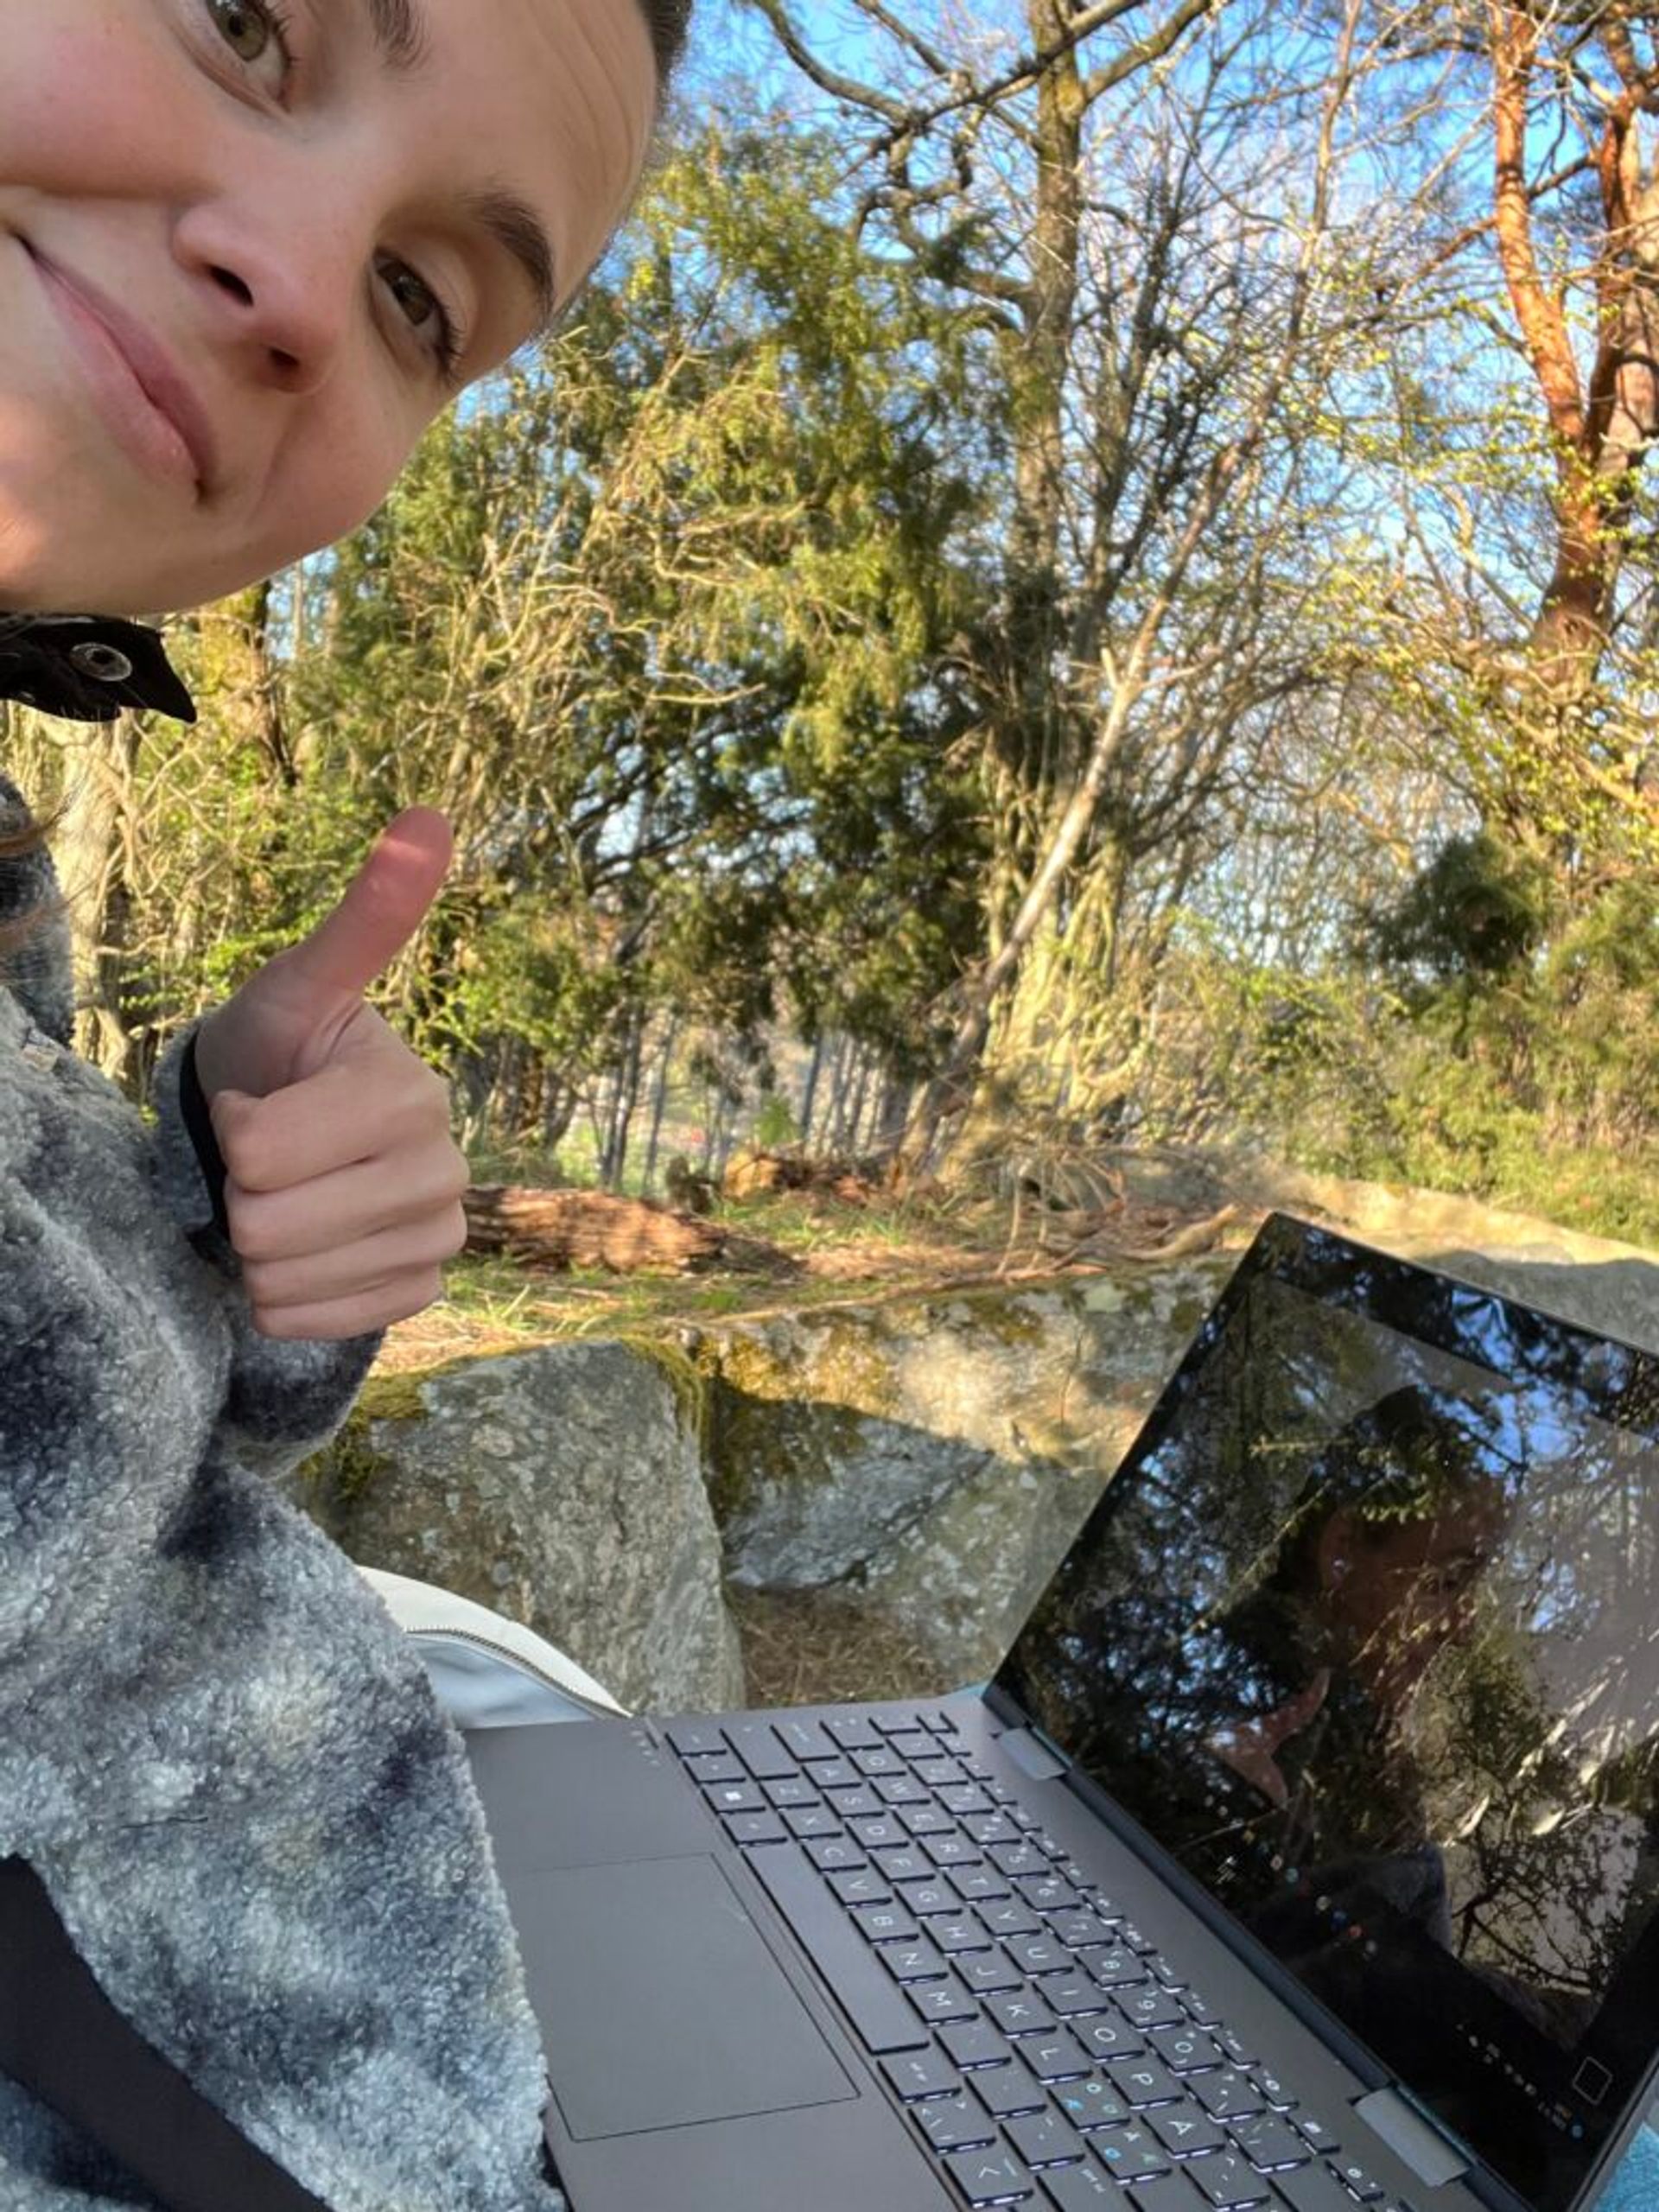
(551, 103)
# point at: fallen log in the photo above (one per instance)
(587, 1229)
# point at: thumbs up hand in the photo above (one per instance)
(344, 1185)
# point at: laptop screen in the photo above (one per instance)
(1365, 1635)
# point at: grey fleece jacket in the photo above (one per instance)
(215, 1748)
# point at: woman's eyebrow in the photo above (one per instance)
(516, 226)
(399, 29)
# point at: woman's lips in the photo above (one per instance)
(142, 397)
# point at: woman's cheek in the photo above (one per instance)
(97, 105)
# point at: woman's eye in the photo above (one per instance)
(254, 30)
(423, 310)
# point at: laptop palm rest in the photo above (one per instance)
(660, 2005)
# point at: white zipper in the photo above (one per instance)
(524, 1666)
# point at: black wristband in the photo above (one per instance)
(198, 1123)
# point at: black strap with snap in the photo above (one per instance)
(64, 2041)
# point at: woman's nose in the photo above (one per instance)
(280, 293)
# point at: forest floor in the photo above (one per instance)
(787, 1254)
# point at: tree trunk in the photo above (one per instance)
(587, 1229)
(91, 852)
(659, 1101)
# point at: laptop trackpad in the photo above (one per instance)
(660, 2005)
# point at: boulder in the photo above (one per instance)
(562, 1487)
(936, 1458)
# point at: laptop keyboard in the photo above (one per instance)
(1049, 2052)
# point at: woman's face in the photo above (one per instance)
(276, 204)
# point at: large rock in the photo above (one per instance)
(935, 1460)
(561, 1486)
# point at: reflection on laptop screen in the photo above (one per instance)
(1365, 1635)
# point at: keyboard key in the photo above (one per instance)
(755, 1827)
(857, 1803)
(976, 1883)
(987, 1974)
(1144, 2082)
(991, 2177)
(1228, 2095)
(1051, 1895)
(1020, 2014)
(896, 1724)
(938, 2001)
(693, 1739)
(924, 1820)
(1316, 2134)
(956, 1795)
(928, 1898)
(1355, 2179)
(1092, 2104)
(882, 1831)
(1184, 2132)
(1227, 2182)
(960, 1932)
(1172, 2193)
(1272, 2090)
(1059, 2057)
(936, 1718)
(1108, 2037)
(1081, 2189)
(1043, 2139)
(913, 1743)
(974, 2043)
(1010, 1919)
(852, 1732)
(1132, 2153)
(758, 1744)
(1269, 2142)
(1150, 2008)
(1185, 2049)
(1312, 2189)
(950, 1851)
(831, 1853)
(1202, 2014)
(1115, 1967)
(791, 1789)
(954, 2124)
(917, 2075)
(804, 1821)
(1012, 1859)
(1160, 1970)
(837, 1773)
(895, 1789)
(886, 1923)
(916, 1961)
(864, 1887)
(1071, 1995)
(880, 1759)
(990, 1827)
(1006, 2091)
(1038, 1954)
(736, 1797)
(905, 1864)
(804, 1740)
(1076, 1930)
(715, 1766)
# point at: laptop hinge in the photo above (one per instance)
(1413, 2137)
(1033, 1754)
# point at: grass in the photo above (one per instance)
(813, 1648)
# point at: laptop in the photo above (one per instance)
(1302, 1855)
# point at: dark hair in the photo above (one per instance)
(669, 20)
